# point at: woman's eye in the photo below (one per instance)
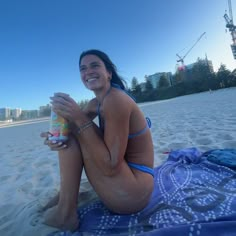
(95, 66)
(82, 69)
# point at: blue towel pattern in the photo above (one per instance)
(192, 196)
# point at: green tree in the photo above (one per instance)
(179, 76)
(223, 76)
(83, 103)
(201, 76)
(149, 93)
(148, 85)
(233, 78)
(136, 91)
(134, 84)
(163, 82)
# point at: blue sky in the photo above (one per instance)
(41, 40)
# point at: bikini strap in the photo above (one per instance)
(148, 126)
(99, 106)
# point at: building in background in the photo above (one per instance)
(205, 62)
(29, 114)
(5, 113)
(44, 110)
(155, 78)
(16, 113)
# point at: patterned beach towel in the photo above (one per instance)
(193, 195)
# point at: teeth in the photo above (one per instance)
(91, 79)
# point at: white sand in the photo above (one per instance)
(29, 170)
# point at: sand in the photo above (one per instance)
(29, 173)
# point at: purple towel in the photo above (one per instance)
(192, 196)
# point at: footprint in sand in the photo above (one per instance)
(22, 169)
(174, 146)
(229, 144)
(36, 218)
(9, 212)
(40, 163)
(204, 141)
(4, 178)
(26, 187)
(192, 134)
(224, 136)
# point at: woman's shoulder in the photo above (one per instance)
(118, 103)
(118, 97)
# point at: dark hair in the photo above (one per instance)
(115, 79)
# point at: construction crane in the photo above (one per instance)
(181, 59)
(232, 28)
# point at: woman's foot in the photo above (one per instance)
(62, 219)
(53, 202)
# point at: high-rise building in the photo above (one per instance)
(15, 113)
(5, 113)
(29, 114)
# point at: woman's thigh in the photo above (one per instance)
(125, 192)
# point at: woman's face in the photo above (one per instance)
(94, 73)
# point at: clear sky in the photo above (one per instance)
(41, 40)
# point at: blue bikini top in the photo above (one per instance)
(101, 125)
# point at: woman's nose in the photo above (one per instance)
(89, 70)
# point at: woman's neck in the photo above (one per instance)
(101, 94)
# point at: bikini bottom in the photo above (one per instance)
(142, 168)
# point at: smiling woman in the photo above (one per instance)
(116, 155)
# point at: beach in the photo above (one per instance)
(29, 174)
(23, 122)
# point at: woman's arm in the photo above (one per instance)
(106, 152)
(91, 109)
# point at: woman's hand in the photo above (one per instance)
(53, 145)
(66, 107)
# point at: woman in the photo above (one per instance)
(117, 155)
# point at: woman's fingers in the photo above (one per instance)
(53, 144)
(45, 134)
(63, 98)
(58, 148)
(56, 101)
(61, 94)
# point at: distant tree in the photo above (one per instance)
(223, 76)
(233, 78)
(200, 70)
(201, 76)
(83, 103)
(148, 85)
(135, 90)
(163, 82)
(134, 83)
(149, 93)
(179, 77)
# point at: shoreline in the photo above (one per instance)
(23, 122)
(141, 105)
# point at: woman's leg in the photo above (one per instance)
(64, 215)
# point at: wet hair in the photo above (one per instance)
(115, 79)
